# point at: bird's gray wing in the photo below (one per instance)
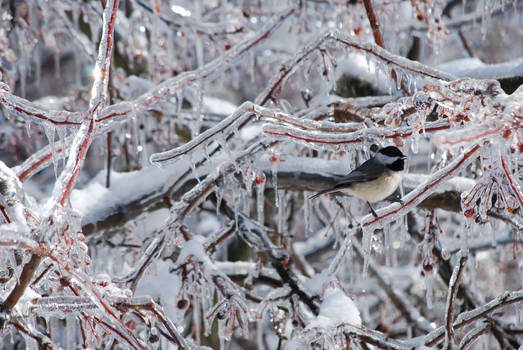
(368, 171)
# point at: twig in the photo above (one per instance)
(373, 20)
(516, 191)
(378, 38)
(109, 158)
(468, 317)
(465, 43)
(99, 96)
(473, 335)
(376, 338)
(23, 281)
(453, 287)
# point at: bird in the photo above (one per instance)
(375, 179)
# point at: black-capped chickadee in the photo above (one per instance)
(374, 180)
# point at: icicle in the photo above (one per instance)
(387, 240)
(260, 197)
(488, 229)
(236, 199)
(192, 162)
(219, 196)
(196, 313)
(274, 174)
(259, 335)
(28, 127)
(399, 76)
(57, 64)
(179, 101)
(281, 211)
(197, 108)
(62, 134)
(366, 245)
(251, 62)
(49, 131)
(70, 331)
(306, 213)
(429, 283)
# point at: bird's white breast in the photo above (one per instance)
(376, 190)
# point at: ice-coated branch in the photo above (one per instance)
(32, 111)
(216, 66)
(473, 335)
(341, 38)
(478, 313)
(23, 282)
(256, 235)
(282, 132)
(376, 338)
(513, 185)
(211, 29)
(13, 206)
(42, 340)
(148, 304)
(99, 96)
(99, 92)
(453, 288)
(239, 118)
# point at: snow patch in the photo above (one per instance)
(337, 308)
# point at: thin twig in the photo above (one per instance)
(473, 335)
(453, 287)
(468, 317)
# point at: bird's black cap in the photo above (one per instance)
(391, 151)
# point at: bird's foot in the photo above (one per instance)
(372, 210)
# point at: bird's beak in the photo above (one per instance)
(404, 157)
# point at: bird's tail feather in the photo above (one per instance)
(330, 190)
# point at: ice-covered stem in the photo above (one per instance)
(356, 136)
(453, 287)
(99, 92)
(373, 20)
(422, 191)
(12, 196)
(29, 110)
(379, 339)
(369, 48)
(103, 304)
(148, 304)
(99, 96)
(473, 335)
(39, 160)
(151, 253)
(207, 28)
(389, 58)
(376, 32)
(468, 317)
(459, 22)
(242, 115)
(280, 260)
(23, 282)
(216, 66)
(42, 340)
(513, 186)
